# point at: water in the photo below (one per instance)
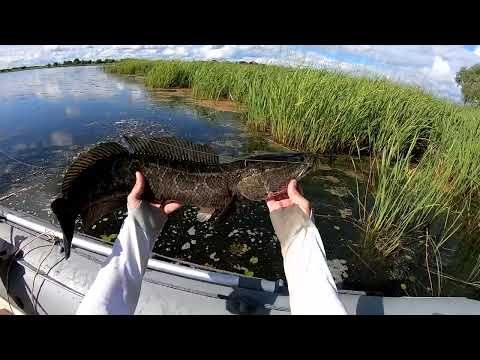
(48, 116)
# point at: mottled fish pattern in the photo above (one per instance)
(99, 180)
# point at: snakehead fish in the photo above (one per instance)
(100, 179)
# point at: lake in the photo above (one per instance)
(48, 116)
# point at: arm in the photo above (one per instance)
(311, 285)
(116, 289)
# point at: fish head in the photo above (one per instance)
(268, 175)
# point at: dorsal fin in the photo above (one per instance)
(172, 148)
(86, 159)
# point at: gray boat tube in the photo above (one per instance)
(89, 243)
(40, 281)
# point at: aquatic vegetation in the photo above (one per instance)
(424, 151)
(109, 238)
(131, 67)
(238, 249)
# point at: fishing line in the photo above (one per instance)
(27, 164)
(11, 262)
(34, 299)
(52, 238)
(46, 274)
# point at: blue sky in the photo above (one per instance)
(432, 67)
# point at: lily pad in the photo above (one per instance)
(238, 249)
(109, 238)
(248, 273)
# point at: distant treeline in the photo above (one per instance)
(74, 62)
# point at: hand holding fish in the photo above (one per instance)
(98, 181)
(135, 197)
(292, 197)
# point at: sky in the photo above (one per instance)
(433, 67)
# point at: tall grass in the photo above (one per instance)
(130, 67)
(425, 151)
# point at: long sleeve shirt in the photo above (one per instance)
(116, 289)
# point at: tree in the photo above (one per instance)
(48, 65)
(469, 80)
(76, 61)
(55, 64)
(98, 61)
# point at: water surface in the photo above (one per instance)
(48, 116)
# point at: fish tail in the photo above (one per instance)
(66, 215)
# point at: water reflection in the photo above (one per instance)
(72, 111)
(61, 138)
(48, 116)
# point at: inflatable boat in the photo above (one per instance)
(36, 279)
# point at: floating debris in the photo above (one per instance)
(344, 213)
(338, 269)
(245, 270)
(338, 191)
(212, 256)
(186, 246)
(191, 231)
(332, 179)
(238, 249)
(109, 238)
(336, 227)
(233, 232)
(253, 260)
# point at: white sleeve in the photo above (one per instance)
(311, 286)
(116, 289)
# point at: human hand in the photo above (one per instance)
(292, 197)
(135, 197)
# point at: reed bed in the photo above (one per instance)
(425, 150)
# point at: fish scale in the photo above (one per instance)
(99, 181)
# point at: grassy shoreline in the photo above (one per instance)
(425, 151)
(58, 65)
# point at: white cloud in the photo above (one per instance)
(431, 66)
(179, 51)
(441, 68)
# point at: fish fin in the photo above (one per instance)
(172, 148)
(100, 208)
(66, 215)
(86, 159)
(226, 212)
(204, 214)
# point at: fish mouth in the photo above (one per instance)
(308, 161)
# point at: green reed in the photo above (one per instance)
(425, 151)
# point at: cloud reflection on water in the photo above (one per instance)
(61, 138)
(72, 111)
(63, 83)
